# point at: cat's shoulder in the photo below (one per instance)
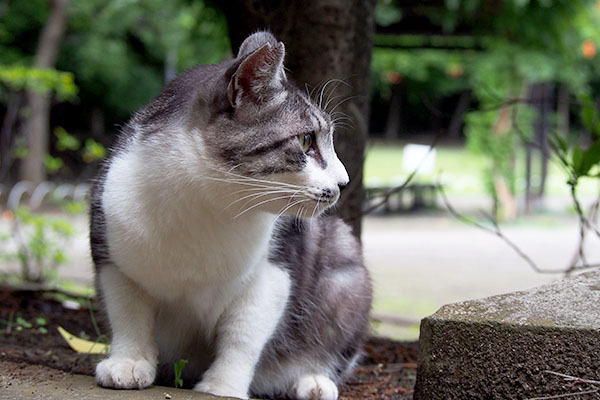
(325, 237)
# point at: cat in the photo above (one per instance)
(210, 241)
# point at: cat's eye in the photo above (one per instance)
(306, 140)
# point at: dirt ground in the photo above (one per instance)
(29, 342)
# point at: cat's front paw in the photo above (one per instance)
(220, 390)
(314, 387)
(124, 373)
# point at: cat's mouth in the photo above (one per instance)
(325, 197)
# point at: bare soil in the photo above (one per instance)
(29, 337)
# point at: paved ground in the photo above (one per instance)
(420, 263)
(26, 381)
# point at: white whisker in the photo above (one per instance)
(261, 203)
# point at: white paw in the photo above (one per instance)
(124, 373)
(315, 387)
(220, 390)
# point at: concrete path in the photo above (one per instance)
(35, 382)
(420, 263)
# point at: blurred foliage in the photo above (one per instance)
(116, 51)
(19, 77)
(38, 243)
(91, 150)
(115, 56)
(20, 23)
(119, 50)
(514, 43)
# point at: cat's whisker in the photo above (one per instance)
(342, 125)
(343, 101)
(290, 206)
(334, 113)
(338, 83)
(242, 177)
(255, 189)
(339, 117)
(312, 216)
(290, 197)
(253, 196)
(274, 185)
(323, 90)
(331, 98)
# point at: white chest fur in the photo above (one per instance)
(165, 235)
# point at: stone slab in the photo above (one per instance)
(35, 382)
(501, 347)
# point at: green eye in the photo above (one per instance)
(306, 140)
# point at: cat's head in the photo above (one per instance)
(272, 144)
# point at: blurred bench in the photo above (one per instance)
(415, 196)
(416, 159)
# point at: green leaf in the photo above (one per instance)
(178, 366)
(93, 151)
(53, 164)
(562, 143)
(590, 158)
(62, 227)
(23, 323)
(591, 119)
(75, 207)
(577, 158)
(65, 140)
(59, 257)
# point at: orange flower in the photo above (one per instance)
(588, 48)
(8, 215)
(394, 77)
(455, 71)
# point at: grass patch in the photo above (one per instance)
(462, 171)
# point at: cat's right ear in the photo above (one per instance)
(259, 76)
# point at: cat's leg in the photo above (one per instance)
(299, 378)
(243, 330)
(133, 353)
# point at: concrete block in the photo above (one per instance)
(501, 347)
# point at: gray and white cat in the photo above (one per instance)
(210, 244)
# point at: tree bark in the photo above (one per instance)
(37, 126)
(7, 133)
(329, 39)
(394, 119)
(459, 114)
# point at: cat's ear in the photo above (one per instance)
(258, 76)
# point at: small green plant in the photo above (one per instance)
(38, 243)
(178, 366)
(20, 323)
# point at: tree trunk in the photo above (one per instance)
(394, 119)
(324, 40)
(7, 134)
(37, 126)
(459, 114)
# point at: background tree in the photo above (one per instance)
(37, 127)
(325, 42)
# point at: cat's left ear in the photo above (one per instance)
(258, 76)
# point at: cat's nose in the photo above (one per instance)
(342, 185)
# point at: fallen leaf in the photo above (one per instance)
(81, 345)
